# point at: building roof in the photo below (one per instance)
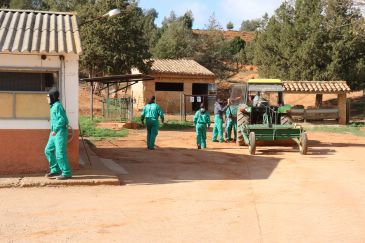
(230, 34)
(119, 78)
(180, 66)
(316, 87)
(39, 32)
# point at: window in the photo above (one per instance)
(23, 95)
(19, 81)
(159, 86)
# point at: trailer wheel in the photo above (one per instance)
(303, 146)
(286, 120)
(242, 119)
(252, 145)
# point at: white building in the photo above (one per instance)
(38, 51)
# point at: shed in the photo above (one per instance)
(38, 50)
(339, 88)
(174, 79)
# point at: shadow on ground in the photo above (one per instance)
(176, 165)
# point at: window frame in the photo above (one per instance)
(176, 83)
(30, 70)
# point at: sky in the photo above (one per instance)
(224, 10)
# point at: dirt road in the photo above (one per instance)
(179, 194)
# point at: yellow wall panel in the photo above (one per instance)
(32, 106)
(6, 105)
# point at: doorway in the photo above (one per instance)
(199, 89)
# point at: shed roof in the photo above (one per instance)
(330, 87)
(180, 66)
(39, 32)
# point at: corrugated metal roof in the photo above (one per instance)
(27, 31)
(180, 66)
(316, 86)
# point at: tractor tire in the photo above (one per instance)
(286, 120)
(252, 145)
(242, 119)
(303, 146)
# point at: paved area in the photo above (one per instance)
(179, 194)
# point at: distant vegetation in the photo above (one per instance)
(303, 40)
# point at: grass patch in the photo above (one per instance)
(88, 129)
(176, 125)
(356, 129)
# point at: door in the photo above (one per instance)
(199, 90)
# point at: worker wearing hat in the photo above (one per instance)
(152, 112)
(56, 149)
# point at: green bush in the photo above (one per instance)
(176, 125)
(88, 129)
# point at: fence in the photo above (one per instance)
(117, 109)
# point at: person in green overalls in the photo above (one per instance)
(219, 110)
(152, 112)
(56, 149)
(202, 122)
(231, 122)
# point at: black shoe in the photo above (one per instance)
(62, 178)
(215, 141)
(54, 174)
(199, 147)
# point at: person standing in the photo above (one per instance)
(56, 148)
(219, 110)
(152, 112)
(202, 123)
(231, 119)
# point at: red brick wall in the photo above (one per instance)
(22, 151)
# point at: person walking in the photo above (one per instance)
(219, 110)
(152, 112)
(202, 123)
(56, 148)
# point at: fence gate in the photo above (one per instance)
(117, 109)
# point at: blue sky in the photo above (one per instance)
(224, 10)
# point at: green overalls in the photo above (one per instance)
(231, 118)
(56, 149)
(151, 112)
(202, 122)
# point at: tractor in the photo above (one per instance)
(263, 116)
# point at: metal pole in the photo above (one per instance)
(185, 106)
(92, 100)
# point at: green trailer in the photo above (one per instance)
(263, 116)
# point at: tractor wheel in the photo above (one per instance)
(252, 145)
(303, 147)
(242, 119)
(286, 120)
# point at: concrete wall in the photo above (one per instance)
(24, 154)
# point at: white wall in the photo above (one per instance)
(69, 89)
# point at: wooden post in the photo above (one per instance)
(319, 98)
(92, 100)
(342, 108)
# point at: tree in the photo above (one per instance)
(115, 45)
(230, 25)
(176, 42)
(212, 50)
(313, 40)
(4, 3)
(250, 25)
(176, 37)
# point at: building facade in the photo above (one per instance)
(175, 82)
(38, 51)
